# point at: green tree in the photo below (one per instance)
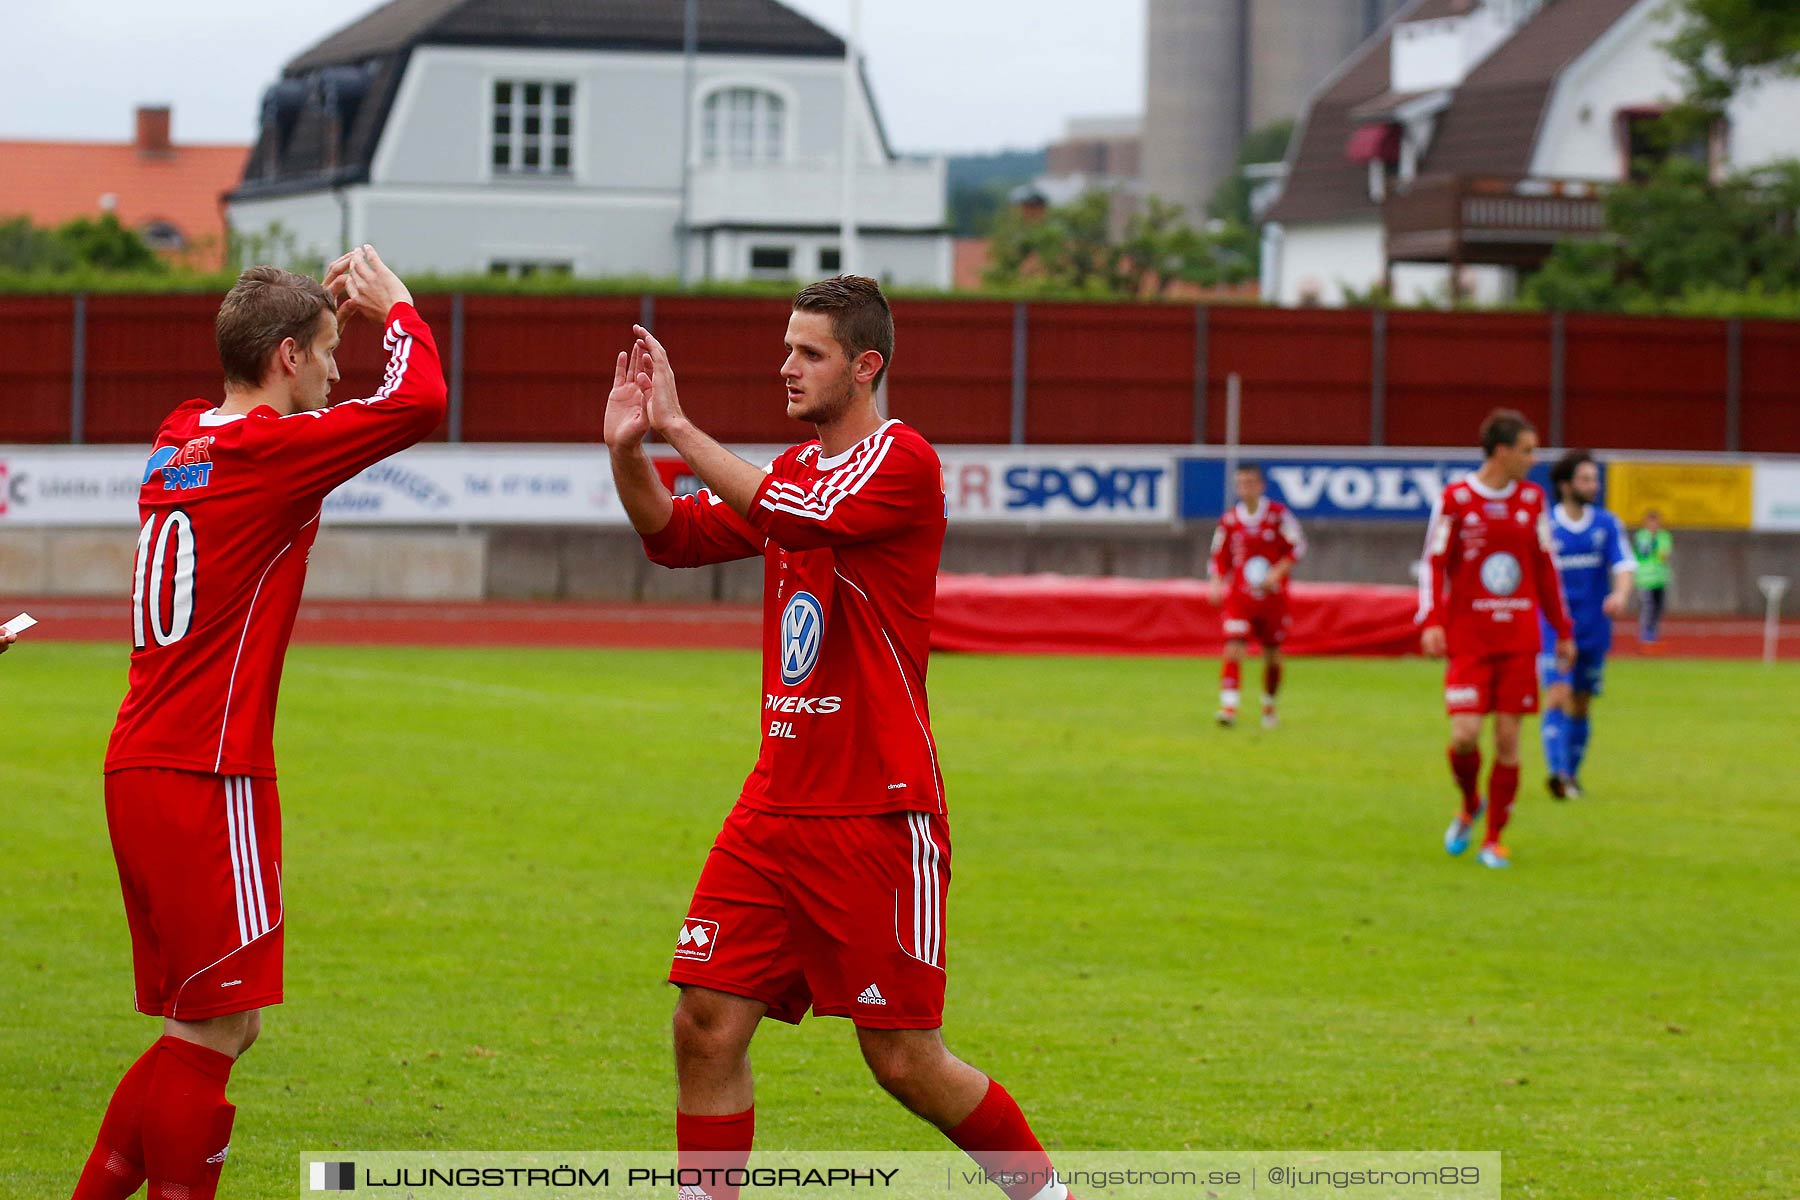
(1681, 239)
(979, 186)
(1722, 46)
(84, 243)
(1677, 234)
(106, 245)
(1073, 249)
(975, 208)
(275, 244)
(1579, 277)
(27, 249)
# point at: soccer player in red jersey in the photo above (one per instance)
(230, 507)
(826, 887)
(1489, 572)
(1255, 549)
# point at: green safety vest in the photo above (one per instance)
(1652, 550)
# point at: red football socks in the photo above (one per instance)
(1271, 679)
(115, 1169)
(1466, 766)
(1503, 785)
(1229, 675)
(997, 1137)
(714, 1145)
(187, 1122)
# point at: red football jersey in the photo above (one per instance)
(850, 547)
(1248, 543)
(1490, 569)
(229, 510)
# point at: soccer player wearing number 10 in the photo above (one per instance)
(1488, 574)
(230, 506)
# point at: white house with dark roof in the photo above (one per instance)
(1456, 147)
(519, 136)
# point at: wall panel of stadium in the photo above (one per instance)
(1077, 439)
(542, 522)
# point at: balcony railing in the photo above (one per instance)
(905, 194)
(1460, 219)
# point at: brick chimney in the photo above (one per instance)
(153, 131)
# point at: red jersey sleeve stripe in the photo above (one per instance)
(827, 489)
(822, 501)
(398, 344)
(854, 460)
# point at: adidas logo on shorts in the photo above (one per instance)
(871, 995)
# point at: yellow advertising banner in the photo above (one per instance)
(1687, 495)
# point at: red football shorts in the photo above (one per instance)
(200, 866)
(844, 915)
(1265, 620)
(1491, 683)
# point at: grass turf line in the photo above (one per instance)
(1161, 935)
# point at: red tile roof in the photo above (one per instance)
(53, 182)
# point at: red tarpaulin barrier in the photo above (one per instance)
(1062, 614)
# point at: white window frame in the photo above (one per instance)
(547, 139)
(704, 95)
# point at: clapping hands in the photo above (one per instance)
(361, 282)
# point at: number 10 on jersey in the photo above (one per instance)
(161, 551)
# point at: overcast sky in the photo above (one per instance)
(953, 75)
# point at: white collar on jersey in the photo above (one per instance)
(838, 460)
(1253, 518)
(215, 417)
(1488, 493)
(1565, 522)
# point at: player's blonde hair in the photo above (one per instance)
(264, 308)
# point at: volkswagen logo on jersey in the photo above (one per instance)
(1500, 574)
(802, 633)
(1256, 571)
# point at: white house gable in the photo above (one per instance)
(567, 156)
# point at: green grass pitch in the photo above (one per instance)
(1161, 935)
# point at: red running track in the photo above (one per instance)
(443, 623)
(660, 626)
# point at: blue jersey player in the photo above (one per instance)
(1594, 559)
